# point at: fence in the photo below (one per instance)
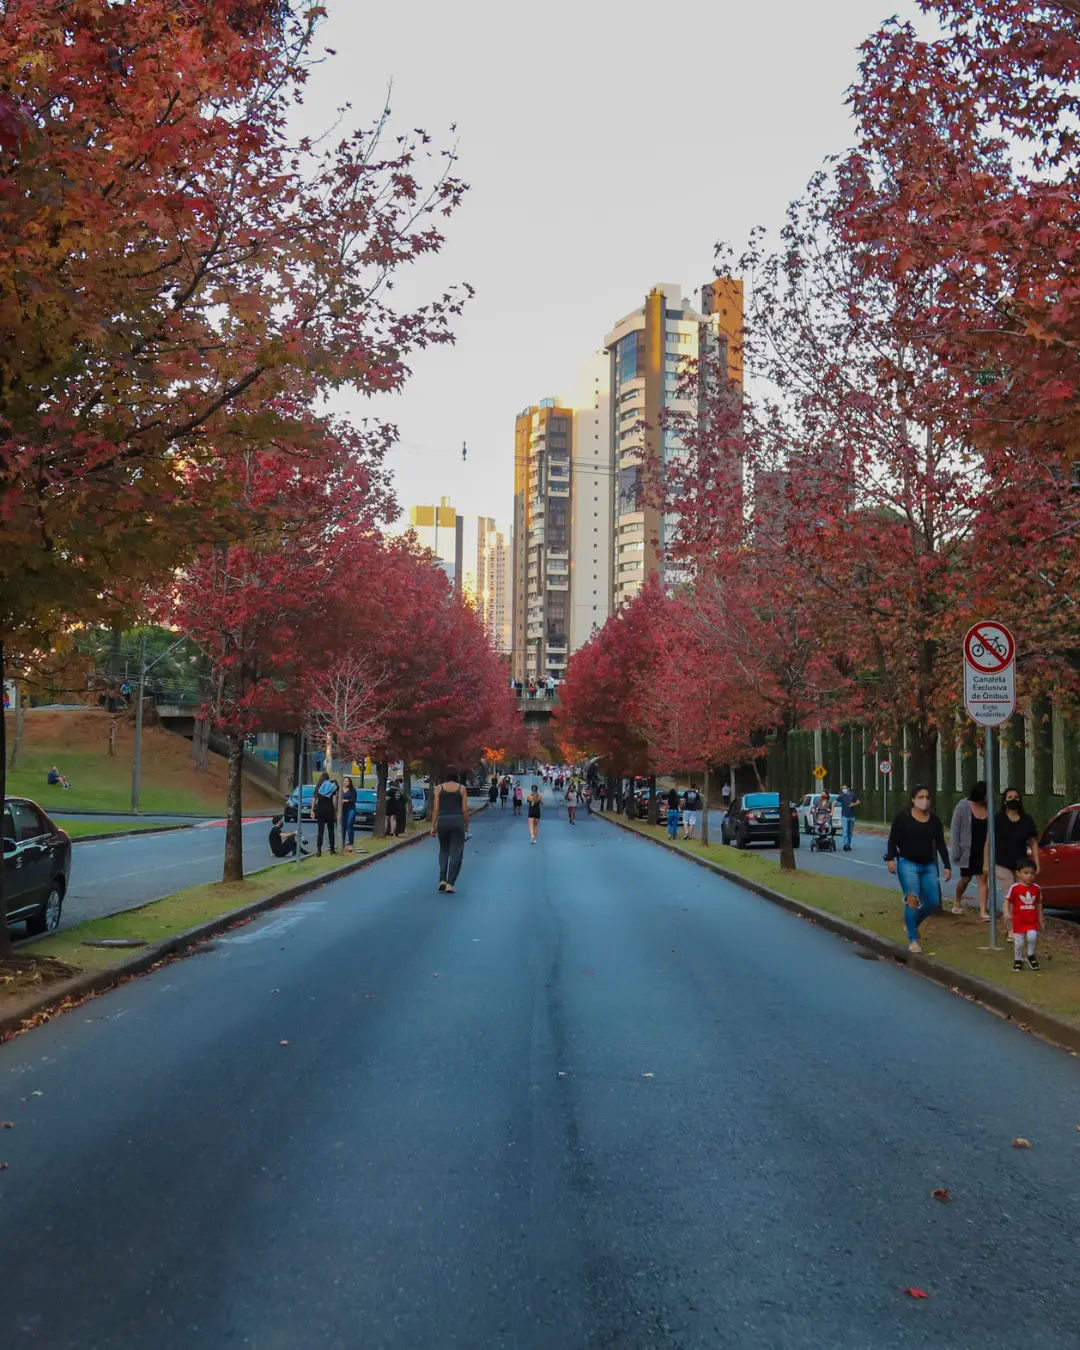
(1038, 752)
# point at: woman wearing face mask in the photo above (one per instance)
(968, 838)
(916, 841)
(1015, 838)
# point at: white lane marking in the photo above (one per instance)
(276, 926)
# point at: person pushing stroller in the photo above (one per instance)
(821, 814)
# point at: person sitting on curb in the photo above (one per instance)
(283, 845)
(55, 778)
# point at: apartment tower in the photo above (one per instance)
(543, 439)
(647, 352)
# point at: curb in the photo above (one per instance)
(128, 834)
(98, 981)
(1062, 1031)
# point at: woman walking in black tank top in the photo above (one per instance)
(450, 824)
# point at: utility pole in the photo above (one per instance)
(136, 767)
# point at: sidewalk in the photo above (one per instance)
(954, 947)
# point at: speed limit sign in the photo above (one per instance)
(885, 766)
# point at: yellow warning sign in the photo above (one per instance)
(820, 772)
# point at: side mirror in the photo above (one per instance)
(10, 845)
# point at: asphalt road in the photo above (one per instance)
(117, 874)
(599, 1099)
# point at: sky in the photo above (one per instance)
(607, 147)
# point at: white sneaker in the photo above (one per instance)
(914, 947)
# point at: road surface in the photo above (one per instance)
(597, 1098)
(116, 874)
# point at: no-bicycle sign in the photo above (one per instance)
(990, 673)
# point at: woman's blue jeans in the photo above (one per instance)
(348, 825)
(672, 822)
(919, 879)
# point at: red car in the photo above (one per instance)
(1059, 860)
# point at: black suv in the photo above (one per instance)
(755, 819)
(37, 866)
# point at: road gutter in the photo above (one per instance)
(128, 834)
(1060, 1031)
(67, 994)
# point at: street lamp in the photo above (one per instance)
(136, 767)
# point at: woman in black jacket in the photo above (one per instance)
(916, 841)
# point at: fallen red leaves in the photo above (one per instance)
(917, 1293)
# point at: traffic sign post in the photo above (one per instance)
(885, 769)
(990, 697)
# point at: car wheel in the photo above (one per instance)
(741, 839)
(47, 918)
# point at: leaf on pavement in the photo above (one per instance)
(917, 1293)
(941, 1194)
(648, 1075)
(3, 1167)
(435, 975)
(1021, 1143)
(283, 1042)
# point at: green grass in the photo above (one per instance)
(77, 742)
(953, 939)
(90, 829)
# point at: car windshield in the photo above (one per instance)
(762, 799)
(365, 795)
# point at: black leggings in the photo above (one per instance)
(325, 825)
(451, 833)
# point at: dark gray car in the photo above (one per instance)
(37, 866)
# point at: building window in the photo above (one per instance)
(630, 357)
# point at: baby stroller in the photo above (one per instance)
(821, 833)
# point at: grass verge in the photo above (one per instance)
(92, 829)
(952, 939)
(162, 919)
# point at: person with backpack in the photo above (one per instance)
(504, 793)
(691, 805)
(519, 798)
(325, 811)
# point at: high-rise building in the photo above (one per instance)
(441, 529)
(647, 350)
(543, 438)
(591, 503)
(492, 584)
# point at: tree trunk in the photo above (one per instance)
(783, 786)
(705, 807)
(922, 765)
(382, 773)
(654, 802)
(5, 935)
(406, 787)
(234, 837)
(20, 723)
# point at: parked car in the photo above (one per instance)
(661, 805)
(806, 806)
(1059, 860)
(365, 808)
(419, 803)
(309, 802)
(755, 819)
(37, 866)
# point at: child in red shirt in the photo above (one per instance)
(1023, 910)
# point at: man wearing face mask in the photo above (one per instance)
(1015, 838)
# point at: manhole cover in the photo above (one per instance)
(113, 942)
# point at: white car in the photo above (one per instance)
(806, 806)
